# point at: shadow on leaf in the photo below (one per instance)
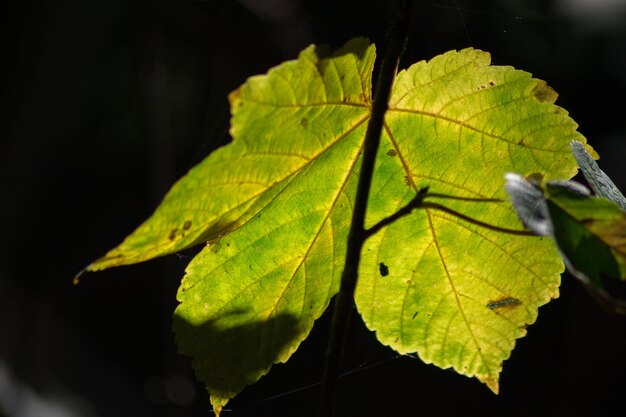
(231, 352)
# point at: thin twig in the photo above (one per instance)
(470, 199)
(468, 219)
(416, 202)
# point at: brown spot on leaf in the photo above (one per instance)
(172, 235)
(392, 152)
(304, 122)
(491, 83)
(234, 95)
(383, 269)
(503, 302)
(187, 225)
(544, 93)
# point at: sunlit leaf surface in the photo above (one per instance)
(275, 207)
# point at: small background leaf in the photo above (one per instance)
(590, 231)
(599, 181)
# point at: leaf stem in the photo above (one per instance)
(357, 233)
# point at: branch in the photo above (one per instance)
(423, 194)
(454, 197)
(468, 219)
(357, 233)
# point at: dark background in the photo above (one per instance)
(107, 103)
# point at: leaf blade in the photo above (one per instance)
(457, 124)
(278, 229)
(217, 196)
(283, 265)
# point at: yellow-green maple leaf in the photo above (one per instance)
(275, 206)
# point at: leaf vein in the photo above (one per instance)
(452, 286)
(472, 128)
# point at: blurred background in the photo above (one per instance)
(108, 103)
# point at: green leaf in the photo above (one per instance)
(307, 119)
(275, 206)
(282, 125)
(457, 294)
